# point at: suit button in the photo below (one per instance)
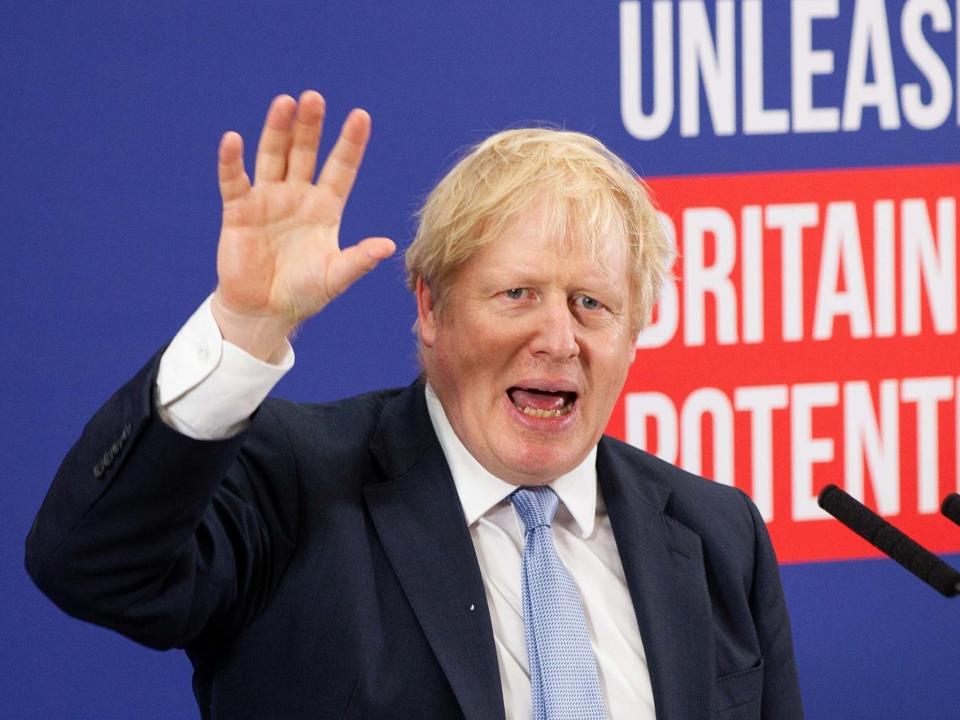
(98, 469)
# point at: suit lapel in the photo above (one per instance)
(419, 519)
(663, 563)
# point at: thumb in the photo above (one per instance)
(356, 261)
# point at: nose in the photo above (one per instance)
(555, 336)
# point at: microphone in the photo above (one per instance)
(884, 536)
(951, 507)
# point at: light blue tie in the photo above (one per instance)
(563, 671)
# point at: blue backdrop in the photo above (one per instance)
(111, 114)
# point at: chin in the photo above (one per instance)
(540, 466)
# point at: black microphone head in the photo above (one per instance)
(827, 494)
(885, 537)
(951, 507)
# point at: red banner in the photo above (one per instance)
(810, 338)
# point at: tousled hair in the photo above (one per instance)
(588, 191)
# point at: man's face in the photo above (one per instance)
(530, 348)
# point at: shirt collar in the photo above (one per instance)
(480, 490)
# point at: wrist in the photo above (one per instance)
(263, 336)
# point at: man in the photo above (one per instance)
(374, 557)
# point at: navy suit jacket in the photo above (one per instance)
(318, 565)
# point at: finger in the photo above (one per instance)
(233, 178)
(275, 140)
(302, 162)
(355, 262)
(340, 169)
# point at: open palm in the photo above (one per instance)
(279, 259)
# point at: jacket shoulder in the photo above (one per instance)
(707, 507)
(327, 421)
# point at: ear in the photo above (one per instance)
(427, 317)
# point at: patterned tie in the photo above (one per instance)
(563, 671)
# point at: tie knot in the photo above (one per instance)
(536, 505)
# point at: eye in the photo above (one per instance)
(588, 303)
(515, 293)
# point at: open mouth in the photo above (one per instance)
(542, 403)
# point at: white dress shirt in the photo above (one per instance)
(208, 388)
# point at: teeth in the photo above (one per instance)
(537, 412)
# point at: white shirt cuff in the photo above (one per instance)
(207, 387)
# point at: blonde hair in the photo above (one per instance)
(589, 192)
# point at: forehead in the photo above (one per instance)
(548, 231)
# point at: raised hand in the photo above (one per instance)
(279, 259)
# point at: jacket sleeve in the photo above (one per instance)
(781, 689)
(161, 537)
